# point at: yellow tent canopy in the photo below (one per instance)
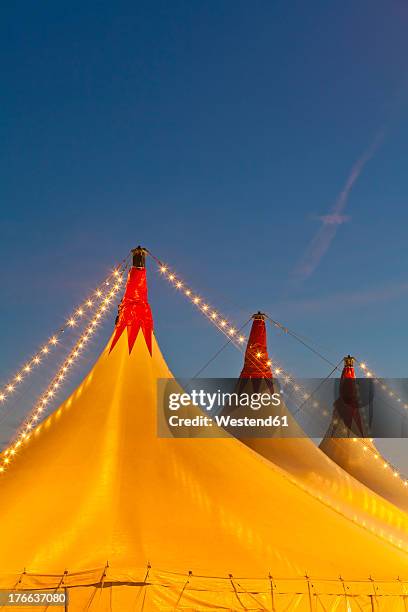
(95, 497)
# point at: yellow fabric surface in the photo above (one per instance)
(95, 484)
(365, 467)
(334, 479)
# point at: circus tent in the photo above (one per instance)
(359, 456)
(94, 502)
(320, 472)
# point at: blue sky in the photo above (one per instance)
(218, 135)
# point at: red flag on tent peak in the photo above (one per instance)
(134, 310)
(348, 404)
(257, 363)
(348, 369)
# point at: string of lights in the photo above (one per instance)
(78, 313)
(231, 332)
(25, 431)
(370, 449)
(370, 374)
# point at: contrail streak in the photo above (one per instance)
(322, 240)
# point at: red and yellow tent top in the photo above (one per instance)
(340, 472)
(360, 457)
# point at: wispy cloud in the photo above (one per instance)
(350, 299)
(335, 217)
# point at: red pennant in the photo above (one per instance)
(134, 311)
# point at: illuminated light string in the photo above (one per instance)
(230, 331)
(385, 465)
(42, 404)
(370, 374)
(80, 311)
(223, 324)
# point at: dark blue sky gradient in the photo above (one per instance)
(215, 134)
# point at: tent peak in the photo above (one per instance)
(134, 311)
(257, 363)
(348, 368)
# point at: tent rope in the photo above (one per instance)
(252, 596)
(55, 590)
(190, 573)
(236, 593)
(296, 336)
(272, 593)
(143, 588)
(218, 352)
(98, 587)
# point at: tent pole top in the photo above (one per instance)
(139, 257)
(259, 315)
